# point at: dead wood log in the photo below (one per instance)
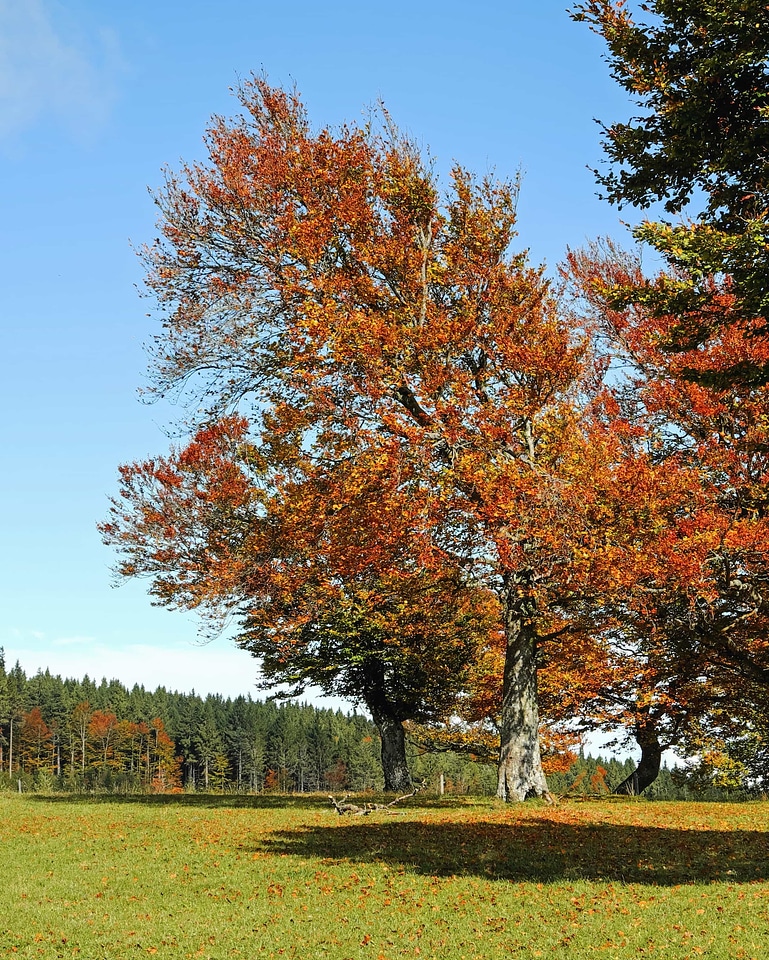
(342, 807)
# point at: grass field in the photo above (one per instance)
(216, 877)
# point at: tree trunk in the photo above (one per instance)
(388, 721)
(520, 766)
(396, 772)
(649, 765)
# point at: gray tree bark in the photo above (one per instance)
(520, 773)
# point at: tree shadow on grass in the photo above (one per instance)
(538, 850)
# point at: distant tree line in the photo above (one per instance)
(80, 735)
(84, 735)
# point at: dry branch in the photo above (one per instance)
(342, 807)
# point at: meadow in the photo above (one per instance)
(216, 877)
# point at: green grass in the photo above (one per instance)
(217, 877)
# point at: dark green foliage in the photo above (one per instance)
(698, 71)
(224, 745)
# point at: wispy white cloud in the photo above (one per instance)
(47, 73)
(215, 668)
(66, 641)
(218, 667)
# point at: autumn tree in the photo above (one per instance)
(35, 742)
(163, 766)
(692, 338)
(319, 281)
(701, 597)
(102, 735)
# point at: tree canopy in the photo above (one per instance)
(690, 343)
(392, 353)
(420, 473)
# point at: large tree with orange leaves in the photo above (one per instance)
(701, 594)
(331, 581)
(693, 337)
(319, 281)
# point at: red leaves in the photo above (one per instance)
(426, 419)
(690, 527)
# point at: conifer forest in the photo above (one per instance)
(83, 736)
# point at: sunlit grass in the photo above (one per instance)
(217, 877)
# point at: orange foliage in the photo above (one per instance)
(36, 741)
(689, 613)
(427, 426)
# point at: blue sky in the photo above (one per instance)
(95, 98)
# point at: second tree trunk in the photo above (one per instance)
(394, 766)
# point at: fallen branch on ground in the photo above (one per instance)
(342, 807)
